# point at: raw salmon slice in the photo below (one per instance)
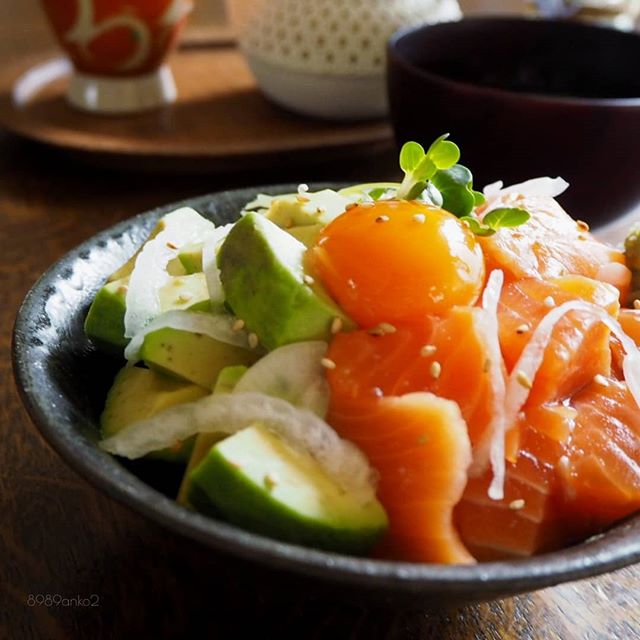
(577, 472)
(529, 517)
(420, 447)
(601, 468)
(441, 356)
(579, 346)
(549, 245)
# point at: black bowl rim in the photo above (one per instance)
(617, 548)
(394, 57)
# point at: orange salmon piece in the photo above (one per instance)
(420, 447)
(601, 469)
(549, 245)
(529, 518)
(447, 357)
(579, 345)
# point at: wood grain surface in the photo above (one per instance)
(219, 121)
(59, 536)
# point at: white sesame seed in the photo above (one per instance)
(428, 350)
(308, 279)
(238, 325)
(435, 370)
(601, 380)
(516, 505)
(327, 363)
(183, 298)
(336, 325)
(253, 340)
(382, 219)
(524, 380)
(383, 329)
(523, 328)
(636, 304)
(549, 302)
(171, 245)
(420, 217)
(303, 188)
(387, 327)
(377, 392)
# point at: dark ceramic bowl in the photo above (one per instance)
(63, 381)
(527, 98)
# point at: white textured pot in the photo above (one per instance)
(326, 58)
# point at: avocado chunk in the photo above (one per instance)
(301, 209)
(259, 482)
(192, 357)
(261, 268)
(138, 394)
(104, 324)
(189, 495)
(186, 293)
(307, 234)
(191, 257)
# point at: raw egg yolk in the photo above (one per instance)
(398, 262)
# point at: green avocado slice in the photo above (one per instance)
(104, 324)
(138, 394)
(262, 273)
(191, 257)
(192, 357)
(307, 234)
(189, 495)
(259, 482)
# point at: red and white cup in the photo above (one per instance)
(118, 49)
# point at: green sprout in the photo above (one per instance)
(435, 176)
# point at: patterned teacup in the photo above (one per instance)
(118, 49)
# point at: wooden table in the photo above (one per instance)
(59, 536)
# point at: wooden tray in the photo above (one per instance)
(221, 121)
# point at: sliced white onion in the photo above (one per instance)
(294, 373)
(210, 249)
(532, 356)
(149, 275)
(328, 204)
(491, 447)
(219, 327)
(546, 186)
(230, 413)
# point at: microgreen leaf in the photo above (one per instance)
(479, 198)
(411, 155)
(455, 186)
(506, 217)
(425, 169)
(477, 227)
(436, 177)
(443, 153)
